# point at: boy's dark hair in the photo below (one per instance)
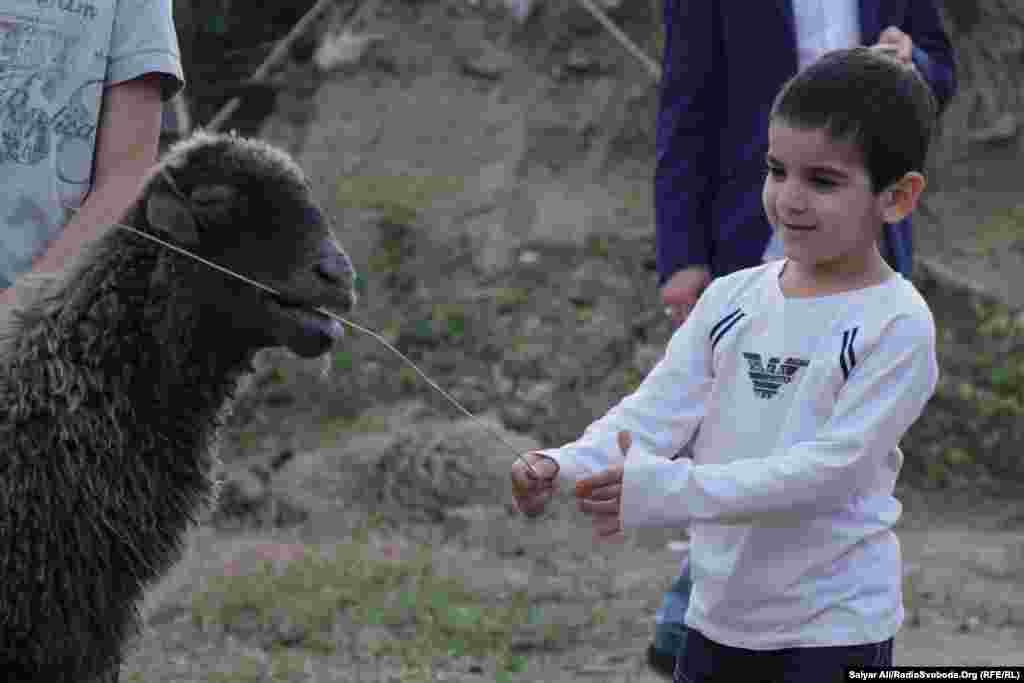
(867, 98)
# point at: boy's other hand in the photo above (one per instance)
(601, 496)
(533, 491)
(680, 293)
(896, 43)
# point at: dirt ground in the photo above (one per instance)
(549, 154)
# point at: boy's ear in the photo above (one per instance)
(900, 199)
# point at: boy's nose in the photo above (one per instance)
(791, 200)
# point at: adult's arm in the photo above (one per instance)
(126, 148)
(686, 136)
(933, 53)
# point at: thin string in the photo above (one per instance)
(451, 399)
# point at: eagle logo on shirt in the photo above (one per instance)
(768, 379)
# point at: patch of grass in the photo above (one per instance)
(286, 665)
(1000, 231)
(407, 378)
(509, 298)
(400, 198)
(440, 615)
(584, 313)
(632, 379)
(344, 360)
(599, 246)
(250, 670)
(450, 320)
(247, 440)
(637, 200)
(332, 428)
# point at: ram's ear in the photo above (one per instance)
(173, 217)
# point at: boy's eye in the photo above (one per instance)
(824, 183)
(775, 171)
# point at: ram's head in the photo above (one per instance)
(248, 207)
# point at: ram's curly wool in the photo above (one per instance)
(116, 378)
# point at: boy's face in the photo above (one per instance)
(817, 194)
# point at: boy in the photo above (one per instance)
(803, 374)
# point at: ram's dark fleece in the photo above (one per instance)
(116, 383)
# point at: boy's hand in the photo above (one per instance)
(896, 43)
(601, 497)
(530, 492)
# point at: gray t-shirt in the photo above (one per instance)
(56, 58)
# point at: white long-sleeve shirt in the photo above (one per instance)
(801, 404)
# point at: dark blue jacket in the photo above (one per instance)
(724, 62)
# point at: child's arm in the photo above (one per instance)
(850, 455)
(662, 414)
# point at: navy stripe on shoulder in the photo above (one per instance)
(847, 359)
(724, 325)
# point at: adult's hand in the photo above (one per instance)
(680, 293)
(896, 43)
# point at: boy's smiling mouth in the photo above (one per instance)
(802, 228)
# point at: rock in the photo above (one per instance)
(1003, 130)
(647, 356)
(582, 62)
(242, 492)
(341, 50)
(538, 394)
(491, 65)
(516, 415)
(969, 624)
(1000, 562)
(529, 257)
(526, 362)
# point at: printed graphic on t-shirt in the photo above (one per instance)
(50, 83)
(35, 60)
(768, 379)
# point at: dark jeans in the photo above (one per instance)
(669, 629)
(705, 661)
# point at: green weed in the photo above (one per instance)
(400, 198)
(443, 616)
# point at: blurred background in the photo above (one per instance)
(488, 165)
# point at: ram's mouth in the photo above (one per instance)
(311, 321)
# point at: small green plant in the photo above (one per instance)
(332, 428)
(1001, 230)
(451, 319)
(344, 360)
(277, 376)
(247, 440)
(632, 379)
(407, 378)
(599, 246)
(287, 665)
(509, 298)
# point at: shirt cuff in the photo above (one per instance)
(652, 491)
(568, 469)
(167, 65)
